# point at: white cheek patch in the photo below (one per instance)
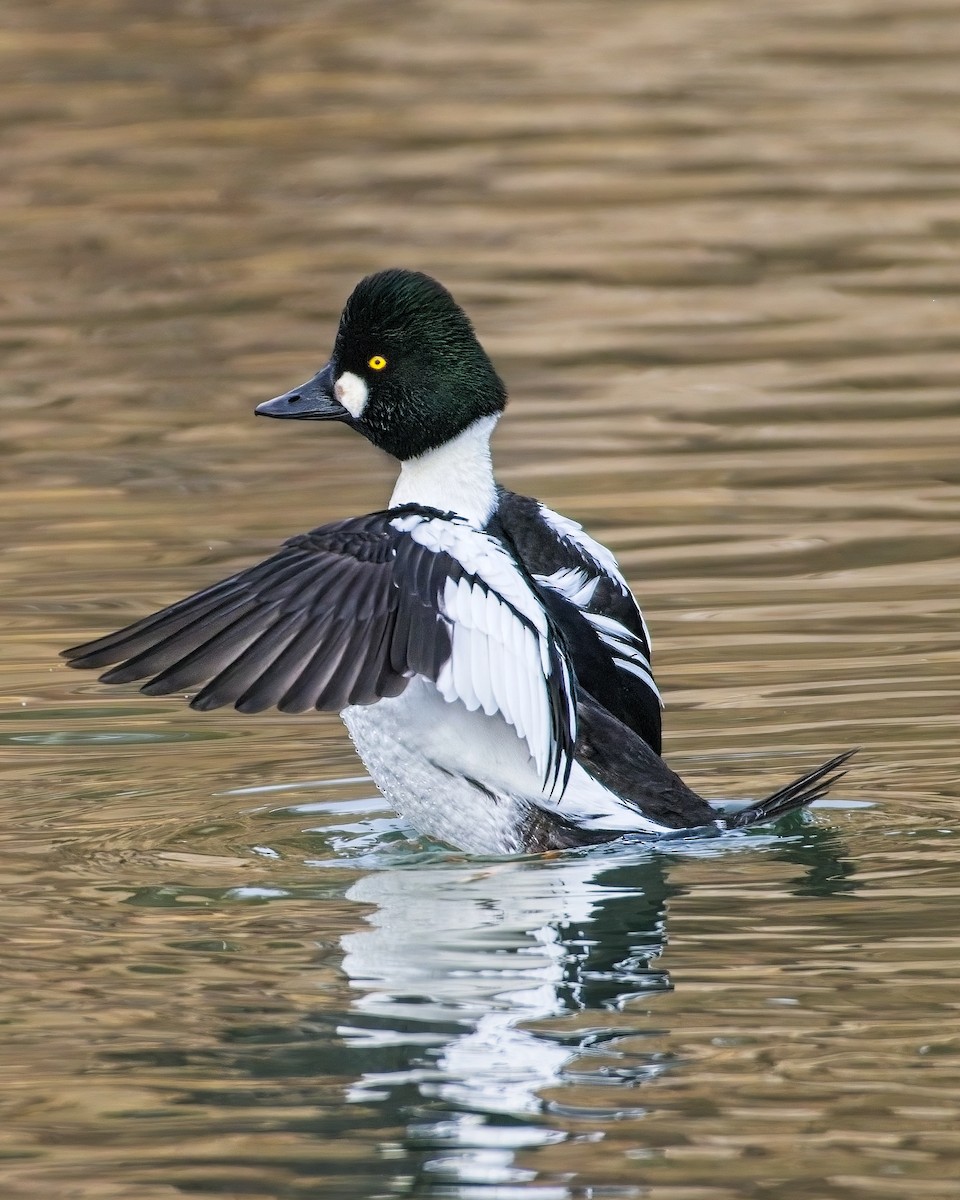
(351, 391)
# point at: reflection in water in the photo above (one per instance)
(493, 1010)
(484, 989)
(490, 949)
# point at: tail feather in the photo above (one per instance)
(798, 794)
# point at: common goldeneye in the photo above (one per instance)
(485, 653)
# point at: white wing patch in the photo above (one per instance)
(480, 555)
(498, 662)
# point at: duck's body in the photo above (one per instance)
(487, 656)
(446, 753)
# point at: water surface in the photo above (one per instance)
(713, 248)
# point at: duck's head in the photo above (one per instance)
(406, 371)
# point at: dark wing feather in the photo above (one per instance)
(347, 614)
(322, 623)
(280, 672)
(248, 669)
(146, 635)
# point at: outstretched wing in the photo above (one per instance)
(580, 582)
(347, 614)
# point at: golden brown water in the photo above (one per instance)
(713, 247)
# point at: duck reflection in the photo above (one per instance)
(500, 981)
(508, 1002)
(461, 962)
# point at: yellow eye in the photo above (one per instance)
(377, 363)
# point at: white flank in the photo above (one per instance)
(589, 804)
(456, 477)
(351, 391)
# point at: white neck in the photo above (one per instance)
(456, 477)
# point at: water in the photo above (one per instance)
(713, 248)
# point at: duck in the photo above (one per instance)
(485, 653)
